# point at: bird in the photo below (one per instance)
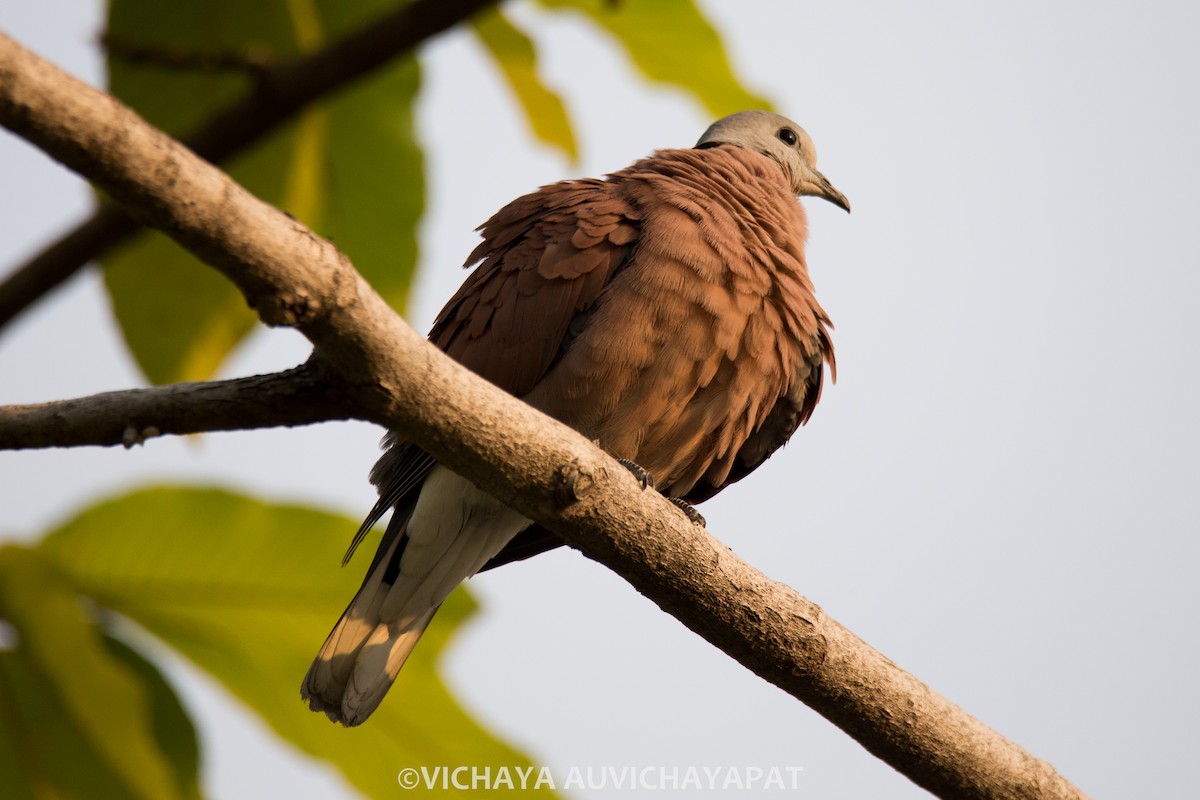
(664, 311)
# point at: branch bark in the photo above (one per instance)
(299, 396)
(277, 95)
(547, 471)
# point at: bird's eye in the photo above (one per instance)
(788, 136)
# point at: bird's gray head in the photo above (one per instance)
(778, 138)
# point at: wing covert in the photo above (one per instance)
(544, 259)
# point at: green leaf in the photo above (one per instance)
(248, 591)
(374, 188)
(350, 167)
(173, 727)
(671, 42)
(180, 318)
(375, 191)
(516, 56)
(81, 714)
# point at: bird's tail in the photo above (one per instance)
(357, 665)
(364, 652)
(430, 546)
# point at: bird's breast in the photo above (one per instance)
(690, 346)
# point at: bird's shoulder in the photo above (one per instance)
(544, 258)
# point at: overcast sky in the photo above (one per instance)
(1000, 493)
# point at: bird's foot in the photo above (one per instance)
(647, 482)
(690, 510)
(643, 477)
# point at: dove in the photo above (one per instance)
(664, 311)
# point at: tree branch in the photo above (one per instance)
(299, 396)
(538, 466)
(108, 226)
(251, 60)
(277, 95)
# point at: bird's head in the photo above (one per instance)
(782, 140)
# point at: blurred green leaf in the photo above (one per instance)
(173, 727)
(180, 318)
(350, 168)
(81, 714)
(671, 42)
(248, 591)
(374, 188)
(514, 53)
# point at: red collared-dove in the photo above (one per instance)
(664, 312)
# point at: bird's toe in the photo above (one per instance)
(643, 477)
(690, 511)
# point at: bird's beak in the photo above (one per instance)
(815, 184)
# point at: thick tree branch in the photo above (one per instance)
(300, 396)
(538, 466)
(277, 95)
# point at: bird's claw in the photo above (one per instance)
(690, 511)
(643, 477)
(647, 482)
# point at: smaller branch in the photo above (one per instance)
(42, 273)
(254, 60)
(300, 396)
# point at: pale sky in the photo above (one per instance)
(1000, 493)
